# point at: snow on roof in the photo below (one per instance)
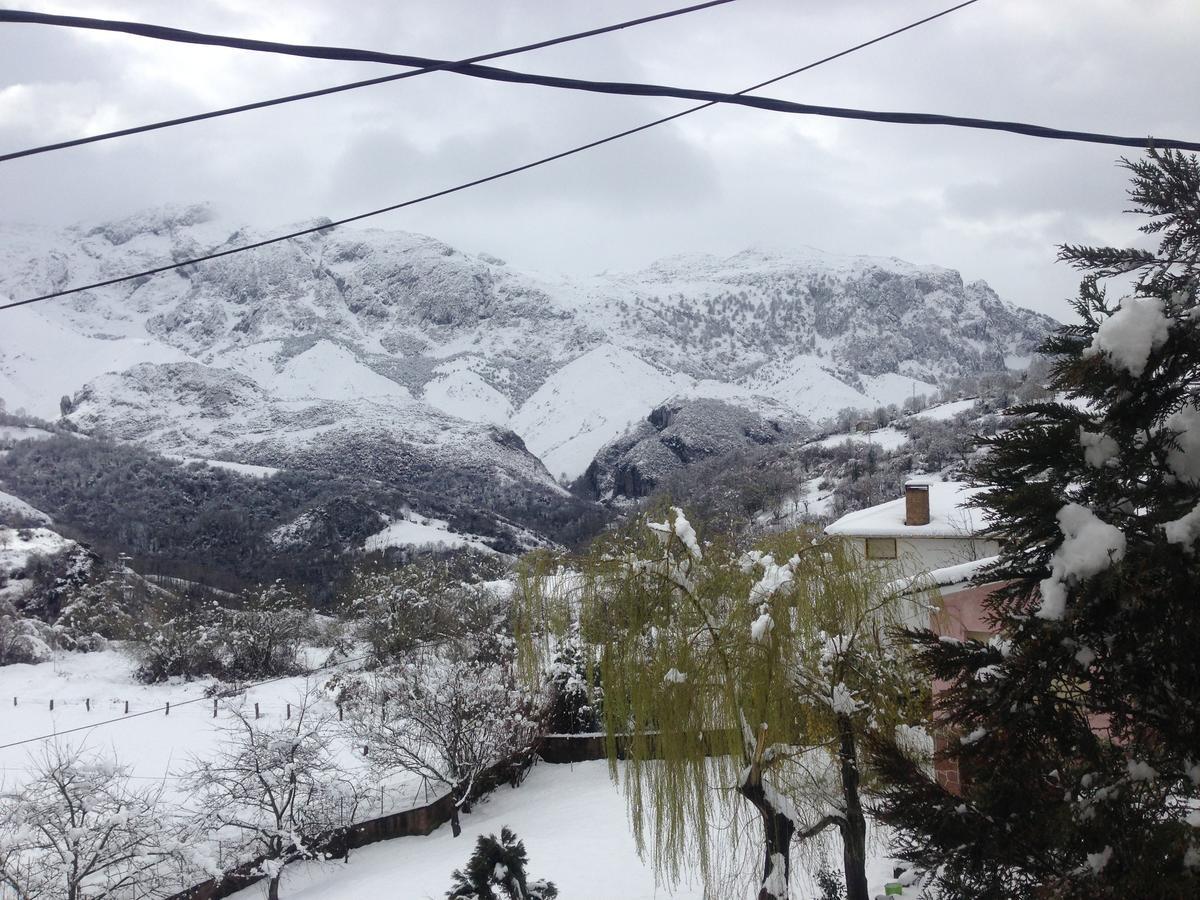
(943, 577)
(948, 516)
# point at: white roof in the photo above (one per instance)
(948, 516)
(945, 577)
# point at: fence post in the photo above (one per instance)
(51, 704)
(87, 702)
(168, 708)
(256, 710)
(289, 710)
(339, 708)
(126, 707)
(214, 707)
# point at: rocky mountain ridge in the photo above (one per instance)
(296, 349)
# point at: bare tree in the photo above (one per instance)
(445, 717)
(77, 829)
(280, 789)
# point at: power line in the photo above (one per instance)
(469, 184)
(492, 73)
(18, 17)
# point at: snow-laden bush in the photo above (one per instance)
(496, 871)
(396, 609)
(447, 715)
(575, 697)
(262, 639)
(23, 640)
(276, 790)
(78, 829)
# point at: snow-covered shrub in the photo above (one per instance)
(23, 640)
(77, 829)
(446, 716)
(395, 609)
(187, 645)
(496, 871)
(263, 638)
(575, 698)
(276, 788)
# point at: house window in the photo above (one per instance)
(881, 548)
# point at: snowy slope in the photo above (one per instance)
(587, 403)
(407, 322)
(15, 508)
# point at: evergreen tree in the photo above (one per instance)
(1078, 727)
(496, 871)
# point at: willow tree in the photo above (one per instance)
(732, 678)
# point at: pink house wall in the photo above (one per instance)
(961, 612)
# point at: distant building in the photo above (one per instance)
(929, 528)
(931, 538)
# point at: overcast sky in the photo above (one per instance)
(991, 205)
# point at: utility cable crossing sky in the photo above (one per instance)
(18, 17)
(328, 225)
(709, 98)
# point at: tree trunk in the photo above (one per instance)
(777, 843)
(273, 887)
(455, 825)
(854, 825)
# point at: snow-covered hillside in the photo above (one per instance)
(355, 329)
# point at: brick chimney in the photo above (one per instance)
(916, 504)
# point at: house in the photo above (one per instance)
(930, 527)
(931, 539)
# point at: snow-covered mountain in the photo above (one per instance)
(300, 347)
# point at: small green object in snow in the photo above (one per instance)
(893, 889)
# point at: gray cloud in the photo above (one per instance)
(993, 206)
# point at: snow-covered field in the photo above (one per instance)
(575, 825)
(946, 411)
(153, 745)
(883, 438)
(422, 531)
(573, 819)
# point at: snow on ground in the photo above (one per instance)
(883, 438)
(806, 503)
(420, 531)
(587, 403)
(23, 433)
(18, 508)
(575, 826)
(154, 746)
(250, 471)
(945, 411)
(806, 385)
(15, 549)
(890, 388)
(460, 391)
(327, 371)
(573, 819)
(41, 359)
